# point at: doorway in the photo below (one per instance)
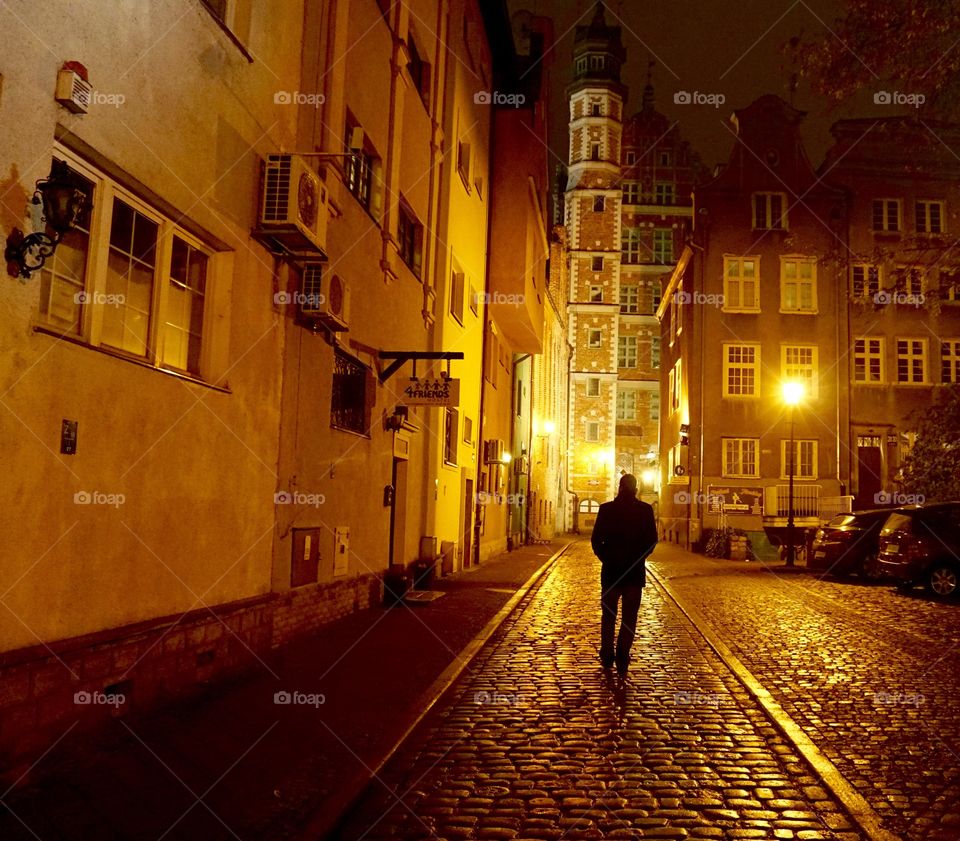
(869, 471)
(466, 544)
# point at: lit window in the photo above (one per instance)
(739, 457)
(741, 370)
(868, 360)
(930, 217)
(886, 215)
(769, 211)
(798, 285)
(676, 385)
(911, 360)
(359, 169)
(626, 351)
(741, 284)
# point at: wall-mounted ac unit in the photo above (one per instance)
(324, 298)
(493, 451)
(521, 466)
(293, 207)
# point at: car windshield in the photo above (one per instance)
(897, 522)
(841, 520)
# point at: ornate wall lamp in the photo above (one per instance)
(64, 200)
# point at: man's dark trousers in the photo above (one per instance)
(612, 593)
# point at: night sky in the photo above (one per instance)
(735, 49)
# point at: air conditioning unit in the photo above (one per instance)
(73, 90)
(493, 451)
(521, 466)
(324, 298)
(293, 207)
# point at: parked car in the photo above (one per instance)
(848, 544)
(922, 546)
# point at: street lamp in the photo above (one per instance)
(793, 392)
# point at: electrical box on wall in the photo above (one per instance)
(306, 557)
(73, 89)
(341, 550)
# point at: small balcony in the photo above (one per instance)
(810, 507)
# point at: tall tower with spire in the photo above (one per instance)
(592, 217)
(628, 207)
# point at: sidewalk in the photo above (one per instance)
(234, 764)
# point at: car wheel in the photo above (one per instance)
(943, 580)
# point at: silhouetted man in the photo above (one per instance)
(624, 535)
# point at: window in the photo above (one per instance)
(866, 280)
(930, 217)
(662, 245)
(949, 291)
(410, 238)
(595, 109)
(656, 292)
(868, 360)
(911, 360)
(598, 204)
(741, 281)
(631, 192)
(908, 280)
(741, 370)
(769, 211)
(631, 158)
(664, 192)
(597, 62)
(739, 456)
(456, 295)
(630, 245)
(950, 361)
(147, 291)
(798, 285)
(626, 351)
(596, 263)
(804, 459)
(630, 299)
(474, 300)
(665, 157)
(596, 294)
(655, 352)
(419, 72)
(799, 362)
(886, 215)
(451, 423)
(675, 385)
(593, 431)
(594, 338)
(582, 64)
(593, 386)
(594, 151)
(468, 430)
(655, 405)
(626, 405)
(349, 403)
(358, 174)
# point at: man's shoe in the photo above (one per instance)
(622, 664)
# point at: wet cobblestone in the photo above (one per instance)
(870, 674)
(536, 742)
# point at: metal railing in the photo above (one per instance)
(807, 502)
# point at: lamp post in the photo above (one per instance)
(792, 395)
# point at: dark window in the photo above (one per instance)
(348, 401)
(410, 236)
(359, 170)
(450, 437)
(595, 110)
(597, 263)
(419, 72)
(598, 204)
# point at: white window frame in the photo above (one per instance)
(596, 293)
(728, 366)
(593, 386)
(950, 360)
(105, 191)
(739, 446)
(625, 353)
(910, 356)
(808, 373)
(655, 405)
(655, 353)
(766, 223)
(591, 332)
(631, 245)
(909, 280)
(926, 205)
(885, 228)
(663, 190)
(662, 251)
(865, 286)
(626, 412)
(868, 355)
(798, 261)
(632, 193)
(812, 445)
(629, 299)
(737, 283)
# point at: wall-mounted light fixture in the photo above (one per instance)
(64, 199)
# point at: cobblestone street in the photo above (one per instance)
(537, 742)
(870, 674)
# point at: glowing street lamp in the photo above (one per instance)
(549, 427)
(793, 392)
